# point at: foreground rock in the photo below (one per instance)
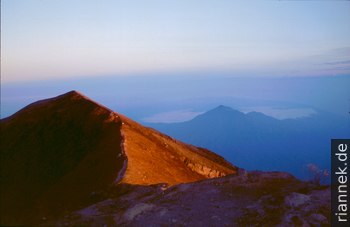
(247, 199)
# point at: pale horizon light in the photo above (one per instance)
(43, 40)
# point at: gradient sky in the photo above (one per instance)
(48, 39)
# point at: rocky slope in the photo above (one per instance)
(155, 158)
(245, 199)
(56, 154)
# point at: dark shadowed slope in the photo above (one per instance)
(57, 153)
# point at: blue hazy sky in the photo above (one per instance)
(48, 39)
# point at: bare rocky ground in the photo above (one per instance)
(246, 199)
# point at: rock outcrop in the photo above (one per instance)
(246, 199)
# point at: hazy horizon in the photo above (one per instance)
(180, 98)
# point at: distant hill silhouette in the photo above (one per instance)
(256, 141)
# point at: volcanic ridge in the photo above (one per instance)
(71, 161)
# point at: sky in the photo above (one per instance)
(60, 39)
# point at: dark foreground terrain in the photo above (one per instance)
(246, 199)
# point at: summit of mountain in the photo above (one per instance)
(219, 113)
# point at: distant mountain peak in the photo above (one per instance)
(222, 110)
(222, 107)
